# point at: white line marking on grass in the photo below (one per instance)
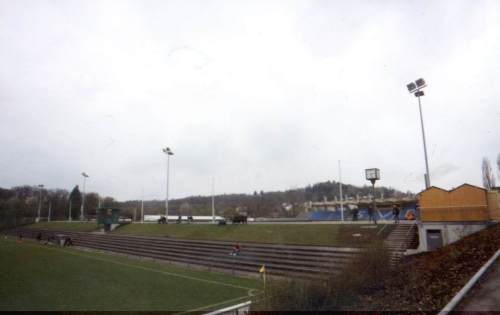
(143, 268)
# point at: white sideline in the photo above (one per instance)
(460, 295)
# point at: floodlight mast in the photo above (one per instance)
(415, 87)
(82, 217)
(213, 200)
(168, 152)
(373, 174)
(40, 187)
(340, 193)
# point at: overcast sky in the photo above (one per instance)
(262, 95)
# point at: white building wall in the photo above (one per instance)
(450, 232)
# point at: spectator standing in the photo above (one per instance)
(355, 214)
(395, 212)
(371, 215)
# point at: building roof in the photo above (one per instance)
(465, 184)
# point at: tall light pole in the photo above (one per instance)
(40, 187)
(69, 212)
(213, 201)
(50, 210)
(168, 152)
(340, 190)
(373, 174)
(83, 196)
(416, 88)
(142, 206)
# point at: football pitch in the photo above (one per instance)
(36, 277)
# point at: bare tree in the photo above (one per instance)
(488, 177)
(498, 165)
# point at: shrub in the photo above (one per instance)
(366, 273)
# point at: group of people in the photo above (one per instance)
(372, 216)
(50, 239)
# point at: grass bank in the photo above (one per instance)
(300, 234)
(64, 226)
(36, 277)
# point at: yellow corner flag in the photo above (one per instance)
(263, 272)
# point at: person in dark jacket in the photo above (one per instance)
(355, 214)
(395, 212)
(372, 216)
(68, 241)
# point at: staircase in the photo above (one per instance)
(403, 237)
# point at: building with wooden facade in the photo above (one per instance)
(446, 216)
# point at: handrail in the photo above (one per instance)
(230, 308)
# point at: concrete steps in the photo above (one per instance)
(403, 237)
(310, 262)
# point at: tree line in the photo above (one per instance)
(21, 203)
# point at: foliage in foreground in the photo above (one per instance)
(428, 281)
(364, 275)
(425, 282)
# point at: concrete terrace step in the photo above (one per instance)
(225, 251)
(295, 261)
(276, 247)
(323, 257)
(227, 248)
(222, 267)
(229, 262)
(224, 255)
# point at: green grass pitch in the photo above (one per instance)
(37, 277)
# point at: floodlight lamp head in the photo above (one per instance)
(411, 87)
(168, 151)
(84, 175)
(41, 186)
(372, 174)
(420, 83)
